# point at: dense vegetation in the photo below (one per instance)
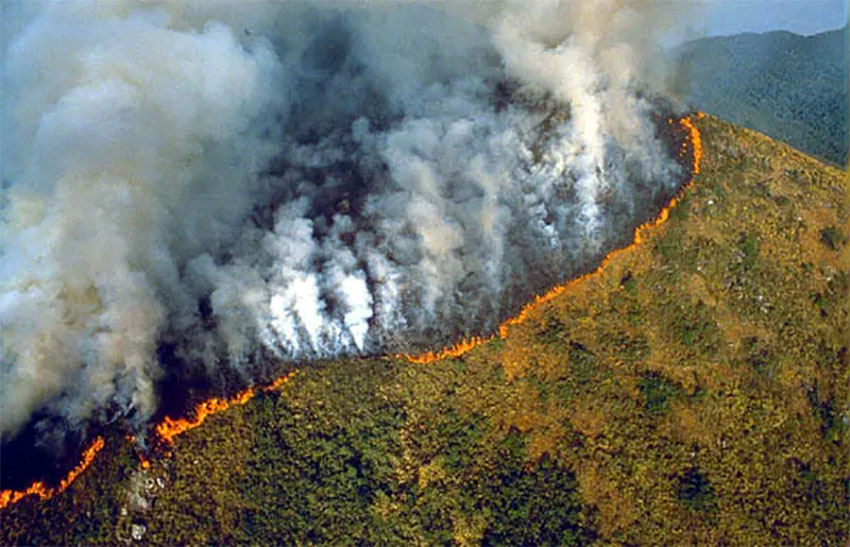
(696, 391)
(788, 86)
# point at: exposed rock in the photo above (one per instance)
(137, 531)
(139, 503)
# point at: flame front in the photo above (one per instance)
(41, 490)
(169, 428)
(466, 345)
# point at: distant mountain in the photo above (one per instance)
(788, 86)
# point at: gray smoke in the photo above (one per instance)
(301, 180)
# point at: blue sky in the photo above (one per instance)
(723, 17)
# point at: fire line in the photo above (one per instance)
(169, 428)
(41, 490)
(468, 344)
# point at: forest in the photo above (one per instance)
(791, 87)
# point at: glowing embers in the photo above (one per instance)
(693, 142)
(42, 491)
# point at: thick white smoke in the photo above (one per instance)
(305, 180)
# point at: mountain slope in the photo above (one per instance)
(694, 391)
(788, 86)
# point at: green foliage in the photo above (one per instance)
(833, 427)
(669, 247)
(583, 363)
(750, 248)
(788, 86)
(832, 238)
(656, 391)
(629, 283)
(694, 327)
(695, 492)
(756, 354)
(312, 481)
(552, 331)
(532, 507)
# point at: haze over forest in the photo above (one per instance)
(791, 87)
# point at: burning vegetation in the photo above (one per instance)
(213, 188)
(689, 393)
(45, 492)
(169, 428)
(690, 148)
(220, 191)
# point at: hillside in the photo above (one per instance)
(791, 87)
(696, 390)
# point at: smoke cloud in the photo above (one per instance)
(302, 181)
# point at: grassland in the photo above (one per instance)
(695, 391)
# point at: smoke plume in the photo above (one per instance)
(302, 181)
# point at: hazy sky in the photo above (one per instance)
(723, 17)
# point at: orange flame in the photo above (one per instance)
(169, 428)
(41, 490)
(466, 345)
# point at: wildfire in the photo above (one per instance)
(455, 350)
(169, 428)
(466, 345)
(41, 490)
